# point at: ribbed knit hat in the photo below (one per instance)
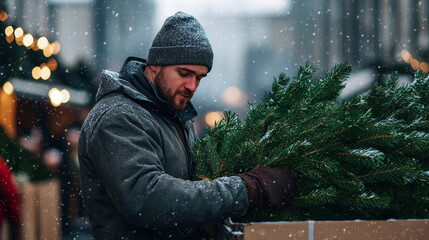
(181, 40)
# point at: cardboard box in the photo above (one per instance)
(40, 210)
(320, 230)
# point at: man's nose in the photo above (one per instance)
(191, 84)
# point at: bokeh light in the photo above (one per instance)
(19, 32)
(65, 95)
(213, 117)
(45, 73)
(28, 40)
(36, 72)
(8, 31)
(234, 96)
(8, 88)
(56, 97)
(42, 42)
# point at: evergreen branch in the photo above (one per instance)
(375, 138)
(313, 152)
(341, 70)
(337, 133)
(402, 148)
(293, 116)
(304, 75)
(269, 114)
(354, 184)
(384, 172)
(365, 158)
(365, 202)
(355, 155)
(316, 198)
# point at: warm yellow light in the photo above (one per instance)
(3, 16)
(42, 42)
(48, 50)
(55, 96)
(424, 67)
(19, 32)
(45, 73)
(34, 45)
(36, 72)
(234, 96)
(28, 40)
(212, 118)
(56, 47)
(406, 56)
(414, 64)
(65, 96)
(8, 31)
(10, 38)
(52, 64)
(8, 88)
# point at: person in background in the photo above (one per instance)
(71, 192)
(32, 140)
(135, 148)
(52, 158)
(9, 200)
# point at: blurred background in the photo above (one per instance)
(53, 51)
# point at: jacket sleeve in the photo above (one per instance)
(128, 157)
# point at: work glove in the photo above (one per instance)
(269, 186)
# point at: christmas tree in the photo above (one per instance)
(362, 158)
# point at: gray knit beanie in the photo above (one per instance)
(181, 40)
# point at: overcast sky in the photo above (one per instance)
(200, 8)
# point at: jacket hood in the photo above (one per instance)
(132, 82)
(119, 82)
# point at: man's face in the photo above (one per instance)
(177, 83)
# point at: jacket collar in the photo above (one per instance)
(133, 71)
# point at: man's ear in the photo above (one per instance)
(154, 68)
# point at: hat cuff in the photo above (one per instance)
(181, 55)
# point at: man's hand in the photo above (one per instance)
(268, 185)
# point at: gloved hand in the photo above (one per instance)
(268, 185)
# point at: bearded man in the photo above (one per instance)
(135, 148)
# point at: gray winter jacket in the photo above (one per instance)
(136, 171)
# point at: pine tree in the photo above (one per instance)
(362, 158)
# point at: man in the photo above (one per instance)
(135, 148)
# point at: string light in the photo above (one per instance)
(58, 97)
(28, 40)
(415, 64)
(8, 31)
(36, 72)
(52, 64)
(42, 43)
(45, 72)
(48, 50)
(424, 67)
(10, 38)
(406, 56)
(55, 96)
(65, 95)
(3, 16)
(19, 32)
(8, 88)
(56, 47)
(34, 46)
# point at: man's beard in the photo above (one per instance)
(167, 94)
